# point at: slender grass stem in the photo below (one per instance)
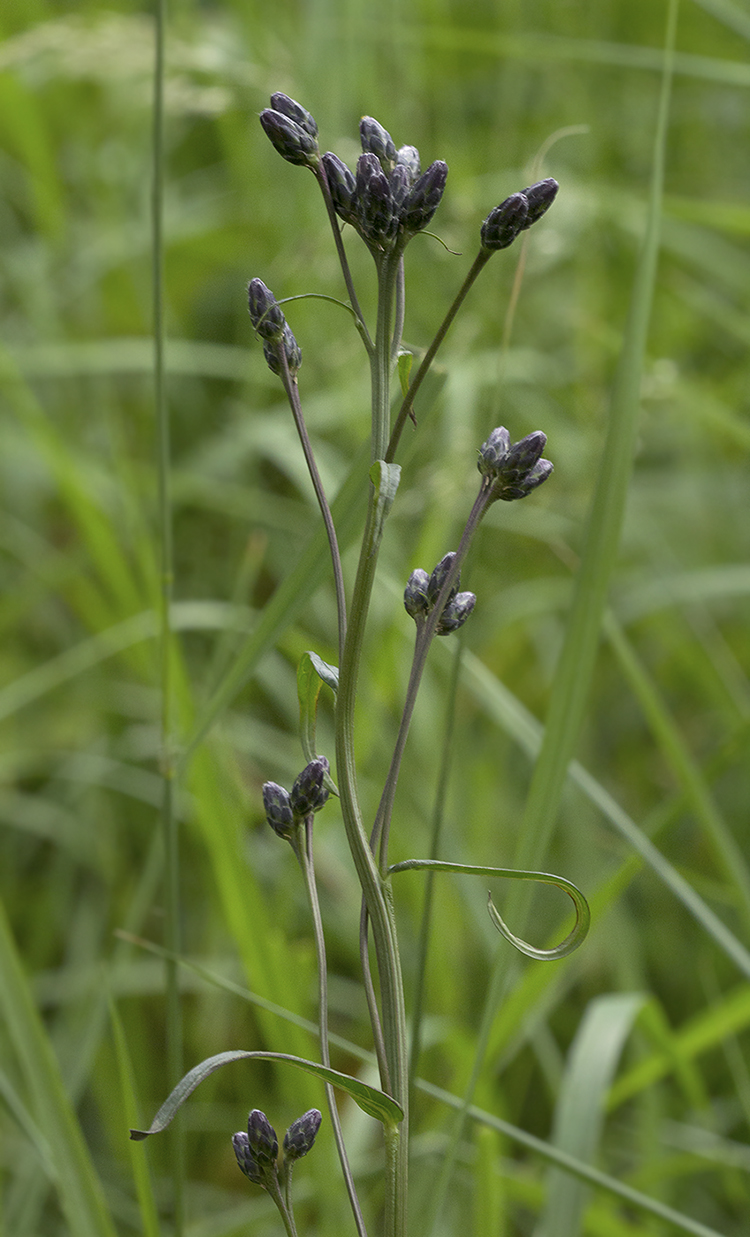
(170, 826)
(303, 849)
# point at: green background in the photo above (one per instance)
(483, 86)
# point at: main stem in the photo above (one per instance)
(376, 891)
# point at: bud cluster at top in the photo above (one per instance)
(257, 1150)
(422, 592)
(285, 810)
(389, 199)
(513, 470)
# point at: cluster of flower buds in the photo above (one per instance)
(269, 322)
(257, 1150)
(285, 810)
(292, 130)
(422, 591)
(516, 213)
(387, 200)
(513, 470)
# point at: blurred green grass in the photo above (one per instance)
(482, 88)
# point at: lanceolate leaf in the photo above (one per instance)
(574, 938)
(375, 1103)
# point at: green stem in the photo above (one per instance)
(376, 892)
(425, 633)
(292, 391)
(285, 1212)
(170, 826)
(437, 826)
(405, 410)
(303, 849)
(325, 189)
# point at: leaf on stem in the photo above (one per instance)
(372, 1101)
(583, 915)
(311, 673)
(385, 478)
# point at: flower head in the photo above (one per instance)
(513, 470)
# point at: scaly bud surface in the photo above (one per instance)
(301, 1135)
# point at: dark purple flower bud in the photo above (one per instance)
(514, 470)
(309, 791)
(278, 806)
(502, 225)
(416, 601)
(425, 197)
(377, 219)
(245, 1158)
(524, 485)
(540, 197)
(301, 1135)
(455, 613)
(292, 351)
(408, 157)
(342, 185)
(399, 185)
(265, 312)
(262, 1138)
(294, 111)
(293, 142)
(377, 141)
(438, 577)
(493, 451)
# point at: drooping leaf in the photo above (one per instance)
(372, 1101)
(583, 915)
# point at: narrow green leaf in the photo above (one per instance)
(579, 1115)
(312, 671)
(385, 478)
(583, 915)
(80, 1192)
(405, 361)
(146, 1202)
(375, 1103)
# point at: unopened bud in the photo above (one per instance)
(514, 470)
(309, 791)
(416, 601)
(294, 111)
(438, 578)
(265, 313)
(455, 613)
(377, 141)
(540, 197)
(262, 1138)
(342, 185)
(301, 1135)
(408, 157)
(246, 1159)
(376, 217)
(279, 811)
(502, 225)
(425, 197)
(292, 352)
(292, 140)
